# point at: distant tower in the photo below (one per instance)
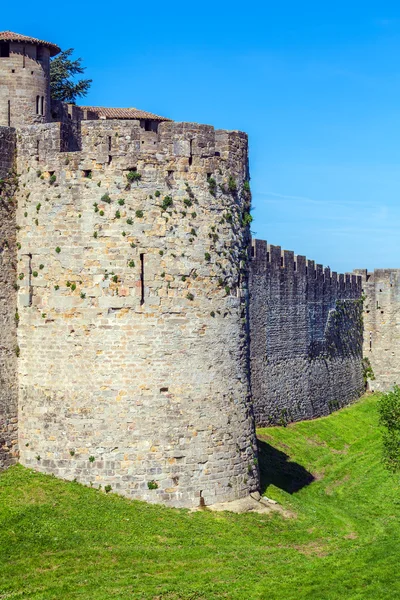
(24, 79)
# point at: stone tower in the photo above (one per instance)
(132, 274)
(24, 79)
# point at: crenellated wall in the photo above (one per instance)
(382, 326)
(133, 368)
(8, 301)
(305, 336)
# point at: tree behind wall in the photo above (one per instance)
(62, 73)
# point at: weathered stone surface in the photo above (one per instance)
(306, 337)
(8, 302)
(133, 342)
(382, 326)
(24, 87)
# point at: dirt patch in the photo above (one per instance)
(254, 503)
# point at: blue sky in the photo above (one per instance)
(315, 85)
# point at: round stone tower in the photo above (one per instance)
(24, 79)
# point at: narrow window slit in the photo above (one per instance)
(190, 157)
(142, 279)
(30, 288)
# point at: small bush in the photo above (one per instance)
(189, 296)
(121, 201)
(58, 249)
(91, 459)
(212, 185)
(107, 488)
(246, 219)
(133, 176)
(207, 256)
(106, 198)
(389, 419)
(232, 185)
(129, 221)
(139, 214)
(52, 179)
(152, 485)
(167, 202)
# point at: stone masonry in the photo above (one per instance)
(8, 306)
(24, 88)
(382, 326)
(132, 327)
(306, 336)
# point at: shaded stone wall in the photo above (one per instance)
(306, 336)
(8, 302)
(382, 326)
(133, 369)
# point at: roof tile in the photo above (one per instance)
(10, 36)
(122, 113)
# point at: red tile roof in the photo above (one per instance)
(122, 113)
(10, 36)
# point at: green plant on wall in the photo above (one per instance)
(133, 176)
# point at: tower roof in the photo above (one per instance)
(10, 36)
(122, 113)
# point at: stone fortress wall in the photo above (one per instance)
(382, 326)
(8, 302)
(139, 334)
(305, 336)
(133, 367)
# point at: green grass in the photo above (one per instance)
(61, 540)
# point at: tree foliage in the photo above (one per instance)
(63, 85)
(389, 417)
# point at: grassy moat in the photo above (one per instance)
(61, 540)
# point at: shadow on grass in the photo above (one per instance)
(277, 469)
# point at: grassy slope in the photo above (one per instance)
(61, 540)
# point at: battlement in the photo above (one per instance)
(266, 256)
(305, 334)
(115, 139)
